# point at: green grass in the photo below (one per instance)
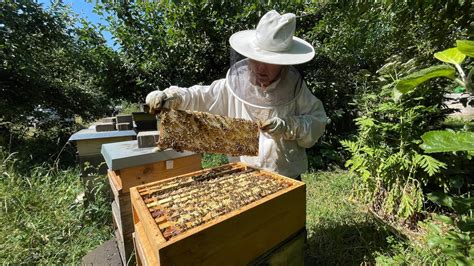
(339, 232)
(41, 220)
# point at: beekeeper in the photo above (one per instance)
(262, 87)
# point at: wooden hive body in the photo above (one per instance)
(123, 179)
(89, 143)
(234, 238)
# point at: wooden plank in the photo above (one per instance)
(146, 187)
(143, 249)
(116, 218)
(123, 126)
(138, 261)
(125, 246)
(113, 187)
(115, 181)
(133, 176)
(153, 233)
(123, 221)
(93, 146)
(121, 246)
(124, 204)
(289, 252)
(242, 235)
(123, 118)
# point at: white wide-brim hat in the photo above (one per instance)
(273, 41)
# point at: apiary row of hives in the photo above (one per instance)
(230, 214)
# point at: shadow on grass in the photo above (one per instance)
(345, 244)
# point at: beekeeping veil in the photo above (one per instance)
(241, 82)
(271, 42)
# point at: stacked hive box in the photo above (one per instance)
(124, 122)
(227, 215)
(88, 143)
(131, 166)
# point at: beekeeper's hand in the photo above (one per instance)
(169, 98)
(274, 126)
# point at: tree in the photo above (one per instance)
(50, 63)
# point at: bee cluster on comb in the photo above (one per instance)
(184, 203)
(205, 132)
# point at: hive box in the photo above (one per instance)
(89, 143)
(128, 166)
(237, 237)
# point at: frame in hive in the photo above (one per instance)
(184, 220)
(205, 132)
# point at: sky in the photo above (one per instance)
(85, 10)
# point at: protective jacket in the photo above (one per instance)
(287, 98)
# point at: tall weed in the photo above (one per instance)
(43, 220)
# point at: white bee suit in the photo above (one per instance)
(287, 98)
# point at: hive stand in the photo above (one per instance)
(89, 143)
(130, 166)
(238, 237)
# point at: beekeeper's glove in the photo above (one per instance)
(169, 98)
(274, 126)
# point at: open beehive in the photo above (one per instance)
(227, 215)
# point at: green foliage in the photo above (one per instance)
(447, 141)
(460, 205)
(391, 166)
(403, 253)
(50, 63)
(452, 235)
(53, 69)
(443, 141)
(43, 221)
(176, 43)
(385, 153)
(412, 81)
(466, 47)
(353, 39)
(393, 174)
(451, 56)
(129, 108)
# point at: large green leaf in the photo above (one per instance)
(447, 141)
(441, 198)
(411, 81)
(451, 56)
(466, 47)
